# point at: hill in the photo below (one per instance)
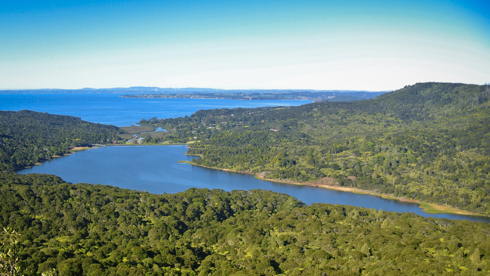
(429, 142)
(28, 137)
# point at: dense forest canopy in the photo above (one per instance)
(87, 229)
(28, 137)
(428, 141)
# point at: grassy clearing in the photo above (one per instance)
(137, 129)
(126, 136)
(438, 209)
(156, 134)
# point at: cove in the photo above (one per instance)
(155, 169)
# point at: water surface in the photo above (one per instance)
(156, 169)
(112, 109)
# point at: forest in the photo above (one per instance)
(55, 228)
(28, 137)
(428, 141)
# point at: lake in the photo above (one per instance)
(155, 168)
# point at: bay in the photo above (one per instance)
(155, 169)
(112, 109)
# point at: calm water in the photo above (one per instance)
(114, 110)
(155, 169)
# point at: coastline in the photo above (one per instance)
(428, 208)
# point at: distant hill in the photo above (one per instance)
(428, 141)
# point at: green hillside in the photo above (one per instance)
(87, 229)
(429, 142)
(28, 137)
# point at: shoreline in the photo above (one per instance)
(426, 207)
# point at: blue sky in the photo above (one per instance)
(358, 45)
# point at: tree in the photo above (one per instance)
(9, 256)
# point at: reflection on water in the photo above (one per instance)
(155, 169)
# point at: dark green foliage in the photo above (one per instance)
(28, 137)
(101, 230)
(429, 141)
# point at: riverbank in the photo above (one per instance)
(429, 208)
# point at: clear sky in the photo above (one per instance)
(248, 44)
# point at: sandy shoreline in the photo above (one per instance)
(429, 208)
